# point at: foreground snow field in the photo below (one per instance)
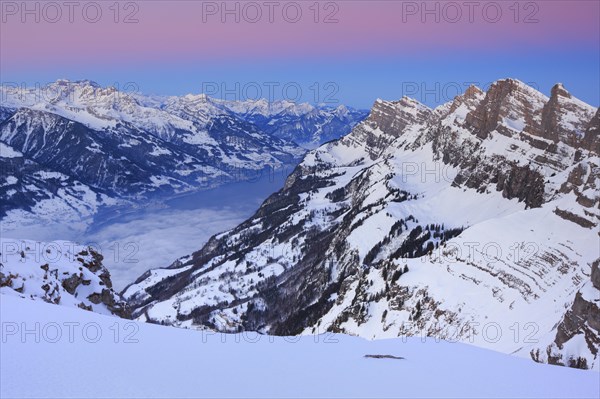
(83, 354)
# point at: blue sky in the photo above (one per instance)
(355, 81)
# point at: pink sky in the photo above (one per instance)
(175, 30)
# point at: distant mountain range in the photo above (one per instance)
(72, 147)
(475, 221)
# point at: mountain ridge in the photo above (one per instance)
(366, 225)
(129, 147)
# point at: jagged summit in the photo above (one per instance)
(462, 104)
(559, 89)
(511, 85)
(472, 91)
(566, 118)
(509, 107)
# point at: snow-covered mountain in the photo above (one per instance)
(476, 221)
(58, 272)
(189, 118)
(102, 145)
(304, 124)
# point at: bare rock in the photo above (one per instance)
(591, 139)
(70, 284)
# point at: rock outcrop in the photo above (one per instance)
(59, 272)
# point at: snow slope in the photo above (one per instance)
(143, 360)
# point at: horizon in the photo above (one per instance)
(346, 52)
(132, 88)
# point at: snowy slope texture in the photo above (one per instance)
(114, 145)
(197, 364)
(58, 272)
(31, 192)
(476, 221)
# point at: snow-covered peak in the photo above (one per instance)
(409, 102)
(99, 107)
(473, 91)
(572, 108)
(509, 106)
(83, 82)
(566, 119)
(404, 105)
(515, 85)
(393, 117)
(95, 106)
(341, 111)
(461, 105)
(267, 108)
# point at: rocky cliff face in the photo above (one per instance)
(441, 222)
(507, 104)
(565, 118)
(59, 272)
(591, 139)
(575, 342)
